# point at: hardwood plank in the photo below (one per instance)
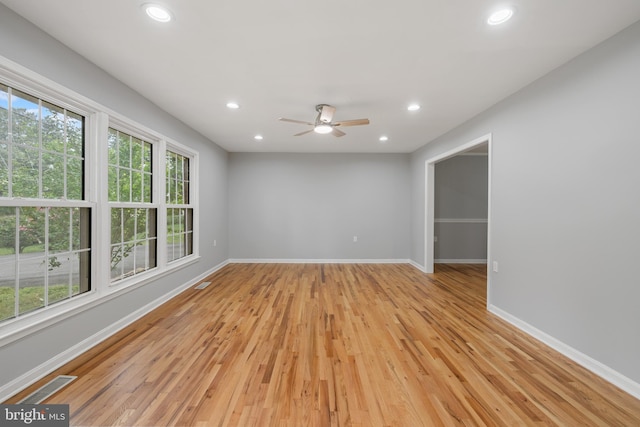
(333, 345)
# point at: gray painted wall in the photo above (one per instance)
(309, 206)
(460, 242)
(565, 204)
(33, 49)
(461, 194)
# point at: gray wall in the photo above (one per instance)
(33, 49)
(460, 206)
(565, 204)
(309, 206)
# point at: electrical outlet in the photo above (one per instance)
(355, 239)
(215, 243)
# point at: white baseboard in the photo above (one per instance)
(326, 261)
(35, 374)
(315, 261)
(459, 261)
(582, 359)
(418, 266)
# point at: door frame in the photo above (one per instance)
(430, 202)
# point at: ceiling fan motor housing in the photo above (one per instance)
(325, 113)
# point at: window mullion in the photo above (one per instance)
(136, 212)
(65, 140)
(122, 242)
(71, 255)
(40, 171)
(130, 168)
(10, 141)
(46, 257)
(16, 252)
(98, 184)
(159, 195)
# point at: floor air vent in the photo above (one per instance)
(203, 285)
(48, 389)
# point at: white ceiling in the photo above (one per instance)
(368, 58)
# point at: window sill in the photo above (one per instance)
(18, 328)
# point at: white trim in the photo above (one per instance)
(18, 328)
(429, 201)
(98, 119)
(460, 149)
(461, 220)
(429, 215)
(473, 154)
(35, 374)
(598, 368)
(25, 80)
(459, 261)
(179, 148)
(160, 197)
(14, 202)
(194, 200)
(315, 261)
(418, 266)
(135, 130)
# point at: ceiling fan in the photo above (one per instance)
(324, 122)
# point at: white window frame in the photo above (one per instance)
(155, 140)
(193, 200)
(98, 119)
(36, 86)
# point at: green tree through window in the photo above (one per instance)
(44, 248)
(133, 217)
(179, 210)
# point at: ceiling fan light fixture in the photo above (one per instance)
(157, 12)
(323, 129)
(500, 16)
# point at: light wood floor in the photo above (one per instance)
(320, 345)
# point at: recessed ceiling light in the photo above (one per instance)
(233, 105)
(258, 137)
(384, 138)
(157, 12)
(500, 17)
(413, 107)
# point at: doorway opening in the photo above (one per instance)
(479, 144)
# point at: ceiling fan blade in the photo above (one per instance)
(337, 132)
(326, 114)
(282, 119)
(356, 122)
(302, 133)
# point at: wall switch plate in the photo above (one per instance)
(355, 239)
(215, 243)
(495, 266)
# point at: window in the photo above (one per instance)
(179, 209)
(83, 204)
(45, 242)
(133, 215)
